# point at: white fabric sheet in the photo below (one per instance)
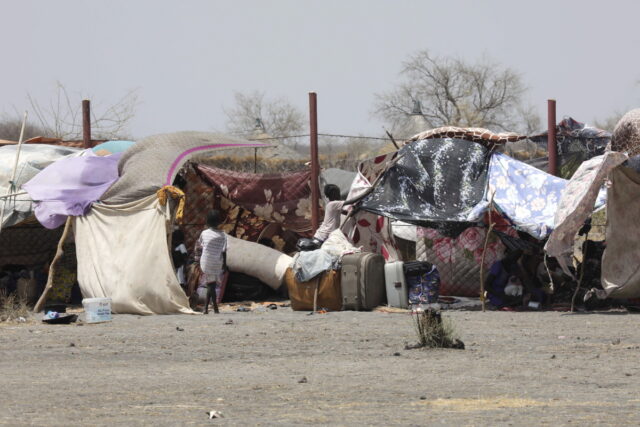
(123, 254)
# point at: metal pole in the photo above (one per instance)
(86, 123)
(552, 143)
(315, 164)
(15, 168)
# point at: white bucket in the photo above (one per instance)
(97, 310)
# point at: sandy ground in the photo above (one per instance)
(518, 369)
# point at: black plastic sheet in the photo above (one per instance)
(434, 181)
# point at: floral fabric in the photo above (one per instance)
(525, 195)
(282, 198)
(459, 259)
(365, 229)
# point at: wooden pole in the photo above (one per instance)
(255, 160)
(484, 251)
(52, 267)
(15, 168)
(315, 164)
(552, 143)
(585, 244)
(86, 123)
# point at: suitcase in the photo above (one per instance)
(396, 285)
(301, 293)
(362, 281)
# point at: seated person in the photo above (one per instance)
(502, 274)
(331, 222)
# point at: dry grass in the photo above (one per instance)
(13, 309)
(433, 332)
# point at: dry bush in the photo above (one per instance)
(13, 308)
(247, 164)
(433, 332)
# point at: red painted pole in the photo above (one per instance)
(315, 163)
(552, 144)
(86, 123)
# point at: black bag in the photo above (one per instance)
(305, 244)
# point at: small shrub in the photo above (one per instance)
(13, 308)
(433, 332)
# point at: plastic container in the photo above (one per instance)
(97, 310)
(397, 293)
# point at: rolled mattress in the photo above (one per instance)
(259, 261)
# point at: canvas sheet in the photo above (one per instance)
(33, 159)
(528, 197)
(578, 201)
(123, 254)
(154, 161)
(620, 262)
(70, 185)
(281, 198)
(434, 180)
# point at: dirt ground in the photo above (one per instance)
(530, 368)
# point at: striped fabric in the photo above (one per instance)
(209, 249)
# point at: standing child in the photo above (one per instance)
(211, 254)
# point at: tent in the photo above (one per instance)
(446, 186)
(620, 278)
(121, 240)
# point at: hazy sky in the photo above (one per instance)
(186, 58)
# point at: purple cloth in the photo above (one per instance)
(70, 186)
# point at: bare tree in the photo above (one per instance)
(610, 122)
(278, 117)
(62, 116)
(10, 128)
(451, 91)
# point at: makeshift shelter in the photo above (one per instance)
(620, 278)
(122, 240)
(446, 185)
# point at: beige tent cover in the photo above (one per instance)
(123, 254)
(620, 262)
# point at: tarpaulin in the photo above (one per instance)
(33, 159)
(69, 186)
(123, 254)
(434, 180)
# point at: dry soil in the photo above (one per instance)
(348, 368)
